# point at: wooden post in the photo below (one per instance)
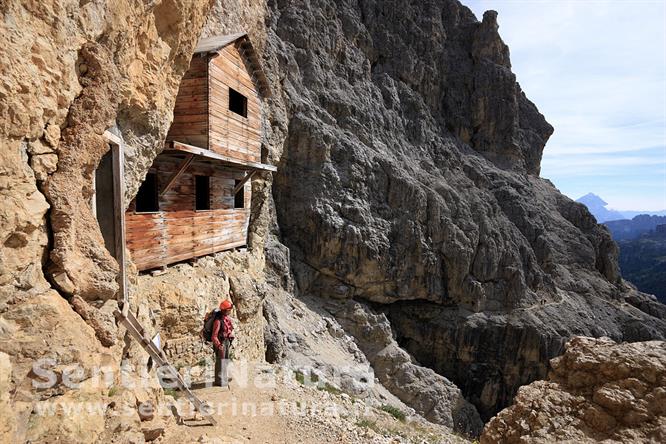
(119, 213)
(93, 202)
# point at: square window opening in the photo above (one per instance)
(239, 198)
(237, 102)
(202, 192)
(147, 200)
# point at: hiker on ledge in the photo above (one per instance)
(223, 335)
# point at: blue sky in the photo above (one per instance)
(597, 70)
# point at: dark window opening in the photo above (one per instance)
(239, 198)
(147, 198)
(104, 201)
(237, 102)
(264, 153)
(202, 192)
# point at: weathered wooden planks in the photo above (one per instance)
(179, 236)
(202, 119)
(177, 232)
(231, 134)
(190, 114)
(225, 160)
(201, 115)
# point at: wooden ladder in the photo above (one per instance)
(137, 332)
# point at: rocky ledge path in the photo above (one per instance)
(295, 412)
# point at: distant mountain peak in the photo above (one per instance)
(597, 207)
(592, 199)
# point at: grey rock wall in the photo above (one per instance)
(435, 397)
(408, 178)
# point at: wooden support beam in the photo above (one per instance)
(241, 184)
(119, 211)
(118, 162)
(112, 138)
(174, 177)
(208, 154)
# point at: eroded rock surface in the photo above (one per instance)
(429, 393)
(597, 391)
(180, 298)
(409, 179)
(72, 70)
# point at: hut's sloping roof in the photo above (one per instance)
(216, 43)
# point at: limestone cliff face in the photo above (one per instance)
(72, 70)
(597, 391)
(409, 179)
(407, 195)
(375, 100)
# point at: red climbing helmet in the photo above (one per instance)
(226, 305)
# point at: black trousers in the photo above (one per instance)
(221, 361)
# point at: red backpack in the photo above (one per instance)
(207, 331)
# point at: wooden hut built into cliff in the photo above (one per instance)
(196, 197)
